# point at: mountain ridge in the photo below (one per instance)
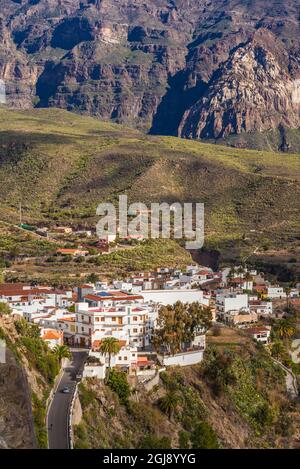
(196, 69)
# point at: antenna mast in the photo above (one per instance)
(20, 212)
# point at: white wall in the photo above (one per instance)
(94, 371)
(276, 292)
(169, 297)
(182, 359)
(231, 303)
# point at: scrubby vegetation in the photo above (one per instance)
(147, 256)
(235, 398)
(244, 191)
(36, 350)
(40, 364)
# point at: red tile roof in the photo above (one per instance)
(118, 296)
(52, 334)
(96, 344)
(71, 251)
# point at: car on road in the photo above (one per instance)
(66, 390)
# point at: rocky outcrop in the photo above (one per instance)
(17, 382)
(193, 68)
(16, 420)
(16, 71)
(253, 91)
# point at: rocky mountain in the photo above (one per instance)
(193, 68)
(27, 375)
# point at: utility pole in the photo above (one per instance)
(20, 212)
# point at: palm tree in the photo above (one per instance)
(277, 349)
(285, 329)
(247, 278)
(109, 346)
(169, 403)
(62, 351)
(231, 274)
(287, 291)
(241, 271)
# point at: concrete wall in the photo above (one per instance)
(94, 371)
(169, 297)
(237, 303)
(77, 412)
(183, 359)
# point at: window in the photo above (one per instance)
(125, 359)
(97, 319)
(113, 319)
(102, 319)
(135, 330)
(135, 318)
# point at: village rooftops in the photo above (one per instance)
(112, 296)
(258, 302)
(27, 291)
(72, 252)
(260, 288)
(204, 272)
(258, 330)
(68, 319)
(238, 280)
(42, 316)
(143, 361)
(108, 310)
(96, 344)
(52, 334)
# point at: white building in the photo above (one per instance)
(239, 318)
(29, 300)
(275, 292)
(52, 337)
(131, 322)
(260, 334)
(128, 359)
(230, 301)
(261, 308)
(170, 297)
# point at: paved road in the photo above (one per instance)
(290, 380)
(58, 414)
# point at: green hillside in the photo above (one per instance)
(61, 165)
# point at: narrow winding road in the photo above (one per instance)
(59, 410)
(290, 380)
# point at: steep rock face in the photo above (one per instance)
(194, 68)
(16, 72)
(16, 421)
(253, 91)
(17, 381)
